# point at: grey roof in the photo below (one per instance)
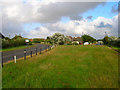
(1, 35)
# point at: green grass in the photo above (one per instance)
(65, 67)
(117, 48)
(15, 48)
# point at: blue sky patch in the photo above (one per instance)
(102, 25)
(31, 26)
(101, 10)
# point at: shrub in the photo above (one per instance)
(112, 41)
(13, 42)
(38, 40)
(75, 43)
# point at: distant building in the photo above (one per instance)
(70, 38)
(2, 36)
(100, 43)
(77, 40)
(31, 40)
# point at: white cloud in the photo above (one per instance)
(38, 33)
(16, 13)
(83, 26)
(44, 12)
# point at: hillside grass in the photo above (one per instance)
(65, 67)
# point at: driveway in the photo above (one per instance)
(9, 55)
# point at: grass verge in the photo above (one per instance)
(65, 67)
(15, 48)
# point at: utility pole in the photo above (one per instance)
(106, 34)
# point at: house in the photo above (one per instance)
(2, 36)
(77, 40)
(31, 40)
(70, 38)
(100, 43)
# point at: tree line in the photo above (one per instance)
(111, 41)
(58, 39)
(17, 40)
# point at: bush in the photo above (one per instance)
(112, 41)
(30, 43)
(75, 43)
(38, 40)
(115, 43)
(13, 42)
(69, 43)
(106, 40)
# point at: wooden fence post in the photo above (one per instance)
(46, 48)
(36, 51)
(25, 54)
(2, 59)
(31, 53)
(40, 50)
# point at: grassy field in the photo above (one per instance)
(65, 67)
(15, 48)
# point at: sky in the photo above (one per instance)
(42, 18)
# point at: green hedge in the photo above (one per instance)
(13, 42)
(115, 43)
(38, 40)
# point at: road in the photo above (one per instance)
(9, 55)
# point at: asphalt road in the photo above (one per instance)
(9, 55)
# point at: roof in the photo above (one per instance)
(77, 39)
(1, 35)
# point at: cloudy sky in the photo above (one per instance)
(42, 18)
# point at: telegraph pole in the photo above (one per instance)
(106, 34)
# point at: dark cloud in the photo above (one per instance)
(11, 27)
(54, 11)
(76, 17)
(115, 8)
(89, 17)
(102, 25)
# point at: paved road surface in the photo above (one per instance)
(8, 56)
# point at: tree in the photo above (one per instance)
(48, 37)
(59, 39)
(68, 40)
(87, 38)
(7, 38)
(106, 40)
(17, 36)
(114, 41)
(112, 38)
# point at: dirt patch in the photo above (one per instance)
(46, 66)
